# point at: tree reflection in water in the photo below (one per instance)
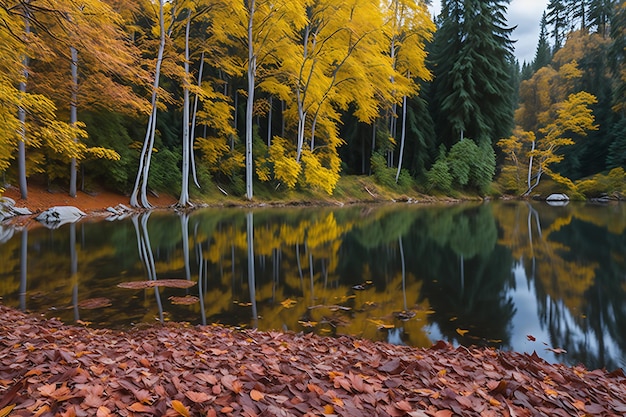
(406, 274)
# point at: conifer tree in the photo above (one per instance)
(473, 90)
(543, 55)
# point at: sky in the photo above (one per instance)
(526, 15)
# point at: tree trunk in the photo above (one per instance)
(250, 102)
(148, 143)
(73, 114)
(192, 134)
(402, 138)
(184, 192)
(21, 112)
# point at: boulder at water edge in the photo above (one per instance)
(59, 215)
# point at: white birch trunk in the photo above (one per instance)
(184, 192)
(73, 114)
(148, 143)
(250, 102)
(193, 123)
(21, 113)
(402, 138)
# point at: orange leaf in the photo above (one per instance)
(443, 413)
(329, 409)
(338, 401)
(256, 395)
(180, 408)
(550, 391)
(494, 402)
(103, 412)
(140, 408)
(579, 405)
(461, 331)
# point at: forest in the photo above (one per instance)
(185, 95)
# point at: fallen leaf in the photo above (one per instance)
(461, 331)
(186, 300)
(531, 338)
(557, 351)
(103, 412)
(288, 303)
(7, 410)
(93, 303)
(198, 397)
(140, 408)
(256, 395)
(180, 408)
(170, 283)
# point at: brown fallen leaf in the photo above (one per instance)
(186, 300)
(93, 303)
(198, 397)
(170, 283)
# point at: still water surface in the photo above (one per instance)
(514, 275)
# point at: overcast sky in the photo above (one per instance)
(526, 15)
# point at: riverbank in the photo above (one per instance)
(47, 368)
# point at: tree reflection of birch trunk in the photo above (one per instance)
(184, 228)
(201, 272)
(23, 269)
(532, 212)
(146, 256)
(251, 276)
(403, 272)
(74, 270)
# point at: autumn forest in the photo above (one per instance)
(185, 95)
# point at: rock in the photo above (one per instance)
(8, 209)
(557, 197)
(557, 200)
(57, 216)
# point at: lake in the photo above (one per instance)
(523, 276)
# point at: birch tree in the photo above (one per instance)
(410, 27)
(139, 195)
(264, 31)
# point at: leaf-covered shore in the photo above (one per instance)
(48, 368)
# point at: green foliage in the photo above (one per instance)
(617, 150)
(384, 176)
(613, 183)
(439, 175)
(164, 171)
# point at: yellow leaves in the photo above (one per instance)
(286, 169)
(461, 331)
(381, 324)
(180, 408)
(321, 172)
(288, 303)
(7, 410)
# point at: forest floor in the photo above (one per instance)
(51, 369)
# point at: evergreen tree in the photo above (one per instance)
(600, 15)
(557, 18)
(543, 55)
(473, 91)
(578, 11)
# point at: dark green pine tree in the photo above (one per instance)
(578, 12)
(600, 15)
(543, 54)
(558, 19)
(473, 93)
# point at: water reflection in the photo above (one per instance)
(516, 275)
